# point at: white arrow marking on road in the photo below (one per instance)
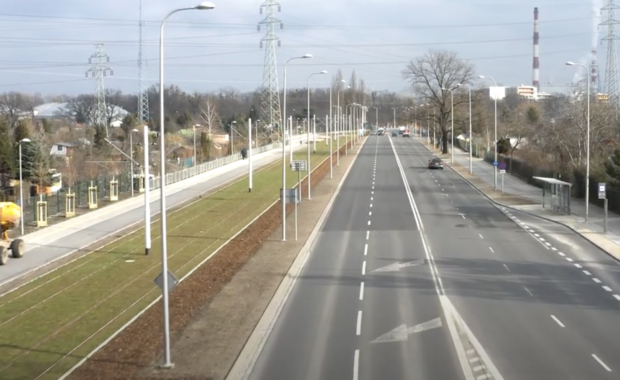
(402, 332)
(398, 266)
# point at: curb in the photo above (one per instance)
(500, 204)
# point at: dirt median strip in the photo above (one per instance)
(134, 352)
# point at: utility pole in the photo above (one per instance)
(270, 95)
(98, 71)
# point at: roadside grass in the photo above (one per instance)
(48, 325)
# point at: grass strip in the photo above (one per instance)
(56, 320)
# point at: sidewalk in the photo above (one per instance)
(521, 196)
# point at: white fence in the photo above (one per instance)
(199, 169)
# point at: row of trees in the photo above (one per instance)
(548, 135)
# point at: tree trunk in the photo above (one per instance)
(444, 142)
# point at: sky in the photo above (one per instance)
(45, 45)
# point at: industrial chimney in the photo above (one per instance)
(536, 63)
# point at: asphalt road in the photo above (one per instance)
(542, 301)
(367, 276)
(39, 256)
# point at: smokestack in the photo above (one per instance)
(536, 64)
(594, 73)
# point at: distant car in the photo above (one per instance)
(406, 133)
(394, 133)
(435, 163)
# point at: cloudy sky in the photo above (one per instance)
(45, 45)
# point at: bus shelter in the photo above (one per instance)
(556, 194)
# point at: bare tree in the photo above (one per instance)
(209, 115)
(13, 107)
(427, 75)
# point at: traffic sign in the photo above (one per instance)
(502, 171)
(299, 166)
(494, 163)
(502, 166)
(602, 190)
(172, 281)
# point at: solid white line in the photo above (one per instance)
(617, 297)
(364, 268)
(491, 249)
(587, 273)
(607, 288)
(365, 249)
(578, 266)
(356, 365)
(557, 320)
(367, 235)
(528, 291)
(480, 236)
(358, 329)
(506, 266)
(601, 363)
(362, 291)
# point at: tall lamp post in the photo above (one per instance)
(162, 149)
(339, 123)
(587, 142)
(131, 157)
(394, 111)
(308, 129)
(452, 120)
(495, 144)
(194, 128)
(284, 147)
(21, 186)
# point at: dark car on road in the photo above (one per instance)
(435, 163)
(394, 133)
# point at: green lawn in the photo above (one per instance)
(48, 325)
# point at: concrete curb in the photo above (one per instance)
(245, 362)
(500, 204)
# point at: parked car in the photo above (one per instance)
(435, 163)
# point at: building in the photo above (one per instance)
(528, 92)
(493, 92)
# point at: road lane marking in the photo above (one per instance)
(569, 259)
(372, 192)
(367, 235)
(358, 329)
(554, 249)
(362, 291)
(607, 288)
(537, 235)
(557, 320)
(356, 365)
(370, 212)
(561, 254)
(548, 244)
(596, 280)
(463, 216)
(508, 269)
(541, 239)
(578, 266)
(601, 363)
(482, 377)
(364, 268)
(369, 222)
(491, 249)
(528, 291)
(371, 205)
(617, 297)
(481, 237)
(587, 273)
(366, 249)
(371, 198)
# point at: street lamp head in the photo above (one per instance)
(205, 5)
(343, 81)
(323, 72)
(458, 85)
(443, 89)
(569, 63)
(481, 76)
(135, 130)
(306, 56)
(26, 140)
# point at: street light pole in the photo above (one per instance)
(377, 118)
(339, 124)
(164, 254)
(495, 163)
(394, 111)
(131, 176)
(330, 132)
(194, 127)
(587, 142)
(308, 129)
(471, 137)
(21, 188)
(452, 125)
(284, 148)
(147, 193)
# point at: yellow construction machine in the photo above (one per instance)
(10, 215)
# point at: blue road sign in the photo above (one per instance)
(502, 165)
(494, 163)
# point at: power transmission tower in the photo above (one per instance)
(611, 71)
(143, 98)
(270, 95)
(100, 71)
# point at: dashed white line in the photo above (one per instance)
(601, 363)
(587, 273)
(367, 235)
(569, 259)
(364, 268)
(370, 212)
(362, 291)
(557, 320)
(365, 249)
(473, 360)
(578, 266)
(617, 297)
(537, 235)
(372, 192)
(442, 189)
(596, 280)
(478, 368)
(358, 329)
(369, 222)
(548, 244)
(508, 269)
(371, 205)
(482, 377)
(554, 249)
(528, 291)
(371, 198)
(607, 288)
(491, 249)
(541, 239)
(561, 254)
(481, 237)
(463, 216)
(356, 364)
